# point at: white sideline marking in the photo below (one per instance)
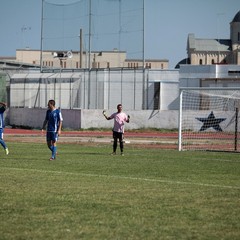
(216, 159)
(130, 178)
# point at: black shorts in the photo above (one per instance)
(118, 135)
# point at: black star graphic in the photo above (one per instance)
(211, 121)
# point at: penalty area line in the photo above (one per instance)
(126, 178)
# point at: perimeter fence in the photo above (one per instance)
(93, 25)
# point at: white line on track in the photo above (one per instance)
(124, 177)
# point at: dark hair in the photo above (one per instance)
(119, 105)
(52, 102)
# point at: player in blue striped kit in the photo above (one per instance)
(53, 120)
(3, 107)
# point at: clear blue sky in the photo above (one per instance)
(167, 25)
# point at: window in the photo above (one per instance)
(212, 61)
(148, 65)
(200, 62)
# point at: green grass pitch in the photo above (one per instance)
(146, 194)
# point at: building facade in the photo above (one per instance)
(80, 60)
(215, 51)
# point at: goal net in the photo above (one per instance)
(208, 119)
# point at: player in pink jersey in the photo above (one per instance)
(118, 127)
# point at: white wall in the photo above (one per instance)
(34, 117)
(76, 119)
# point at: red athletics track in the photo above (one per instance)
(129, 134)
(17, 131)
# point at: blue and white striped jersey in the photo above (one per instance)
(53, 117)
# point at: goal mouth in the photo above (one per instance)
(208, 119)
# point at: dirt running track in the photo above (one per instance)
(151, 139)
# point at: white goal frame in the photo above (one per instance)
(208, 119)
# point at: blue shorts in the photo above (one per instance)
(52, 136)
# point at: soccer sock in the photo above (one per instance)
(54, 150)
(114, 145)
(121, 145)
(3, 143)
(51, 148)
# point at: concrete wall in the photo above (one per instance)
(138, 119)
(34, 117)
(83, 119)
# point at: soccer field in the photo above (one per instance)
(149, 193)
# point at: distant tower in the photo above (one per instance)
(235, 32)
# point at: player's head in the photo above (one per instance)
(51, 103)
(119, 107)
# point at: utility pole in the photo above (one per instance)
(81, 49)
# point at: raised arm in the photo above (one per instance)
(105, 115)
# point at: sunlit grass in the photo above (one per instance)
(147, 194)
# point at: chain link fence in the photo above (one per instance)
(91, 25)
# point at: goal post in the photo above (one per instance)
(208, 119)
